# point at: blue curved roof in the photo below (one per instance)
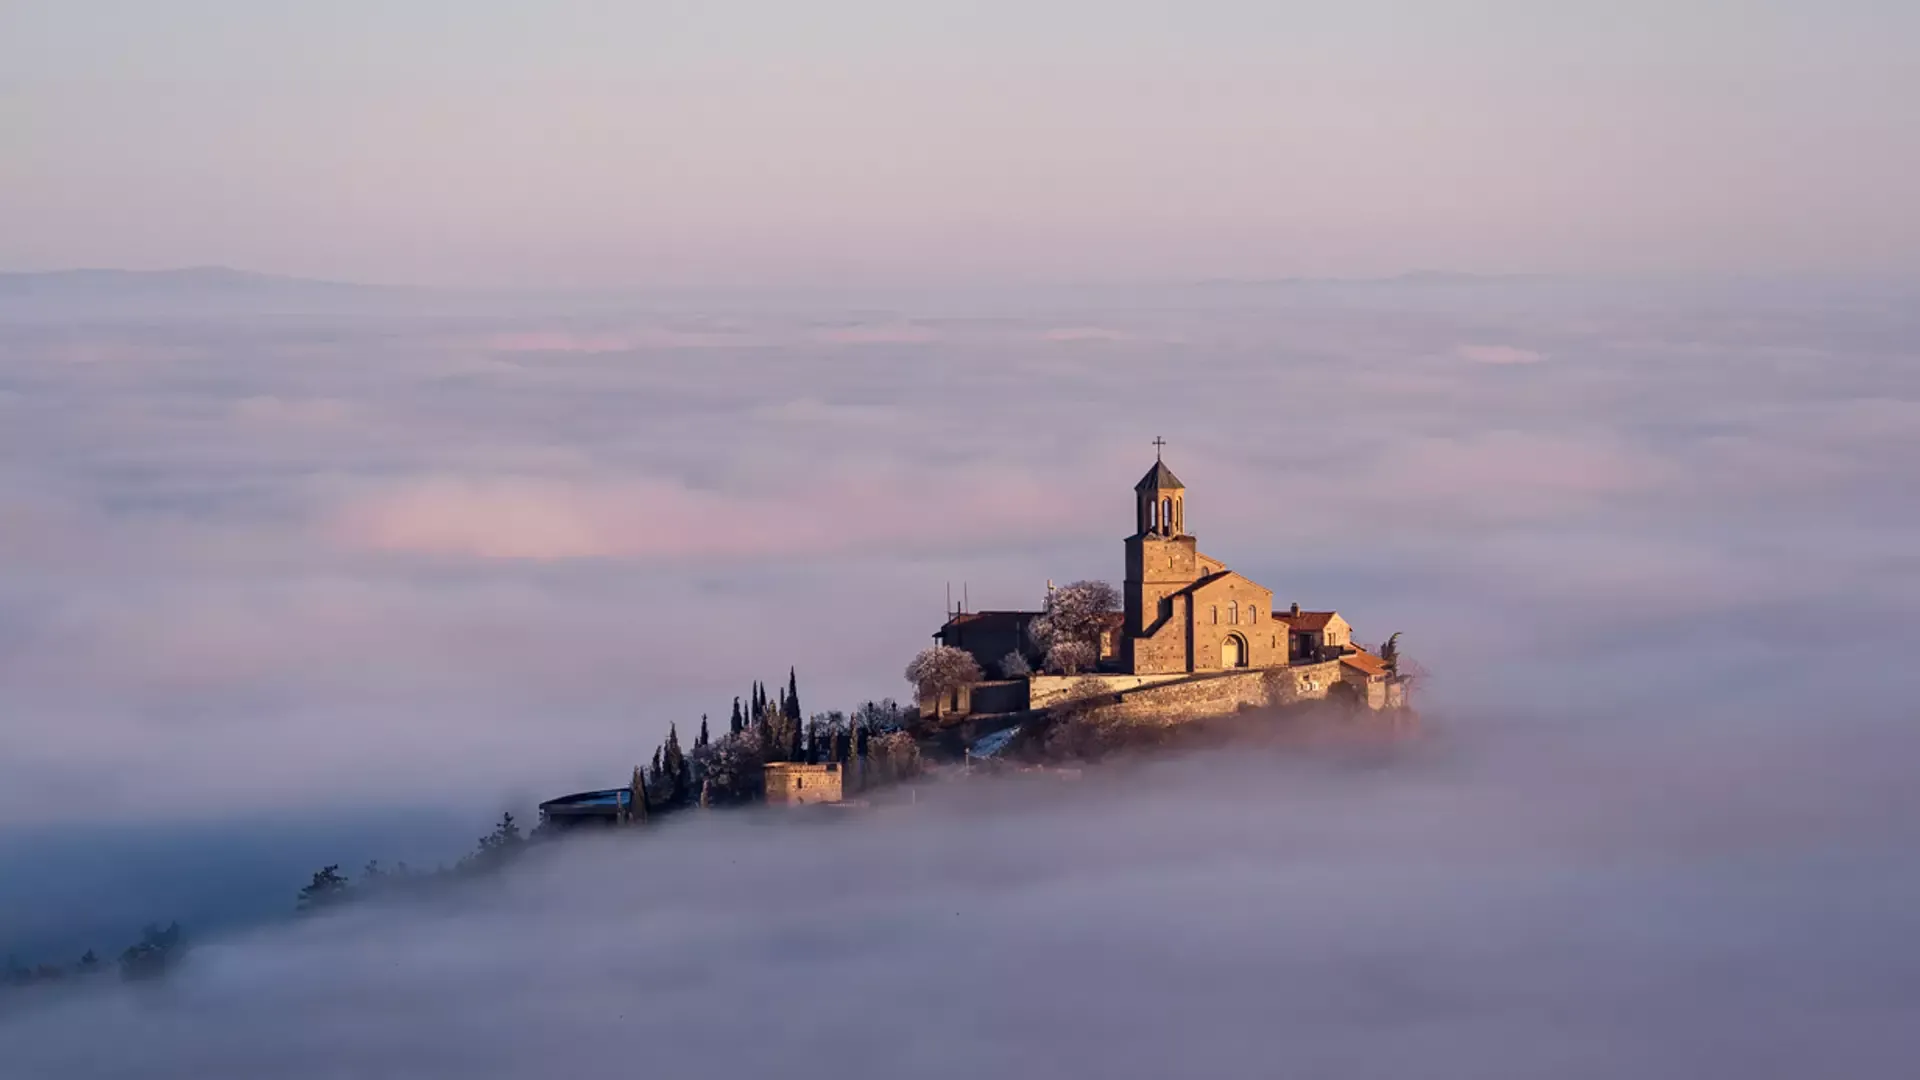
(609, 797)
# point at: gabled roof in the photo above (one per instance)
(1159, 478)
(1305, 620)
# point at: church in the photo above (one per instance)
(1184, 614)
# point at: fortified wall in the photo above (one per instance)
(1200, 697)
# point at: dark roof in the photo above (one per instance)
(1305, 620)
(1159, 477)
(590, 801)
(965, 618)
(1017, 620)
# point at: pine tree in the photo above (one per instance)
(329, 886)
(739, 723)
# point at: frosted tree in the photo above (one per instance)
(1071, 657)
(942, 669)
(731, 766)
(896, 754)
(1068, 632)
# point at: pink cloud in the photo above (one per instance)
(1085, 333)
(1498, 354)
(878, 334)
(605, 341)
(532, 518)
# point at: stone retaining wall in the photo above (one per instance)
(1047, 690)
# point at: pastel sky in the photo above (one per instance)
(565, 143)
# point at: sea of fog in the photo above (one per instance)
(293, 579)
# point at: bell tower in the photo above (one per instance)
(1161, 561)
(1159, 500)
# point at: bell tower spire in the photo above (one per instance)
(1160, 499)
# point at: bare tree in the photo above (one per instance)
(1076, 613)
(942, 669)
(880, 717)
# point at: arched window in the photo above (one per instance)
(1166, 513)
(1253, 613)
(1216, 614)
(1233, 612)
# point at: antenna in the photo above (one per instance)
(964, 605)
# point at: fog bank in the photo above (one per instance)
(1452, 909)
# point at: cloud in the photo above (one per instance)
(828, 511)
(1085, 333)
(1464, 909)
(1498, 354)
(614, 341)
(268, 409)
(336, 563)
(892, 333)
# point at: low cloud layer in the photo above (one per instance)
(465, 559)
(1463, 908)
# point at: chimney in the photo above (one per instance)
(1296, 609)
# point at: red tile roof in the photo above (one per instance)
(1306, 620)
(1365, 662)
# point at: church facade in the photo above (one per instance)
(1184, 614)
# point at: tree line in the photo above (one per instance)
(767, 726)
(717, 770)
(159, 949)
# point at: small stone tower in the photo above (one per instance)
(1161, 561)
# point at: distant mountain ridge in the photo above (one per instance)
(1411, 277)
(183, 279)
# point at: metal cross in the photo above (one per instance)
(1158, 443)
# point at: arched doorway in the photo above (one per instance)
(1233, 651)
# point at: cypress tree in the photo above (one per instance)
(656, 763)
(792, 702)
(703, 738)
(739, 724)
(674, 761)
